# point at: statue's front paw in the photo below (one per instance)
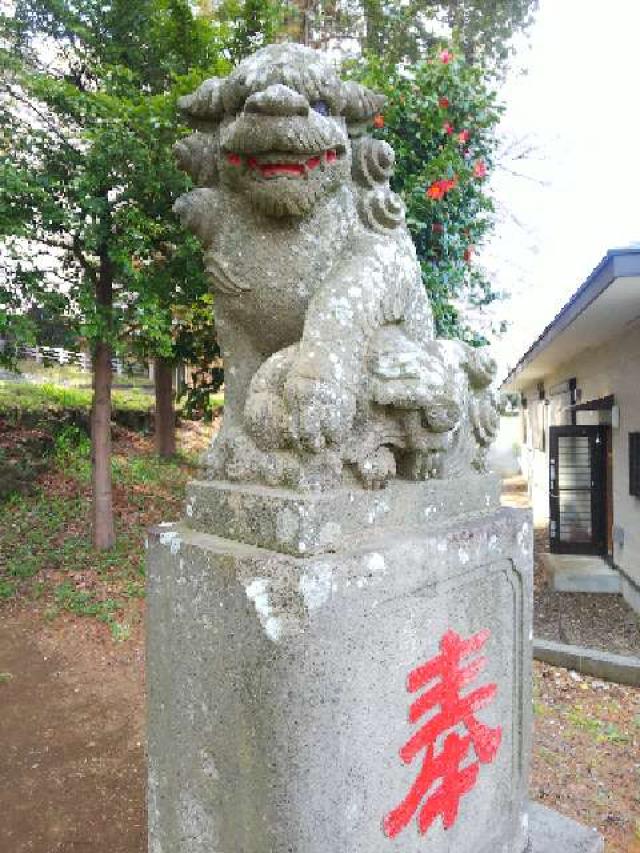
(320, 412)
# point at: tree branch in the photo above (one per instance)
(14, 93)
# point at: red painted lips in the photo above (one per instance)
(275, 170)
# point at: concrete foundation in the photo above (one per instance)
(622, 669)
(630, 592)
(577, 573)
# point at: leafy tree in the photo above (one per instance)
(401, 32)
(249, 25)
(87, 118)
(404, 32)
(441, 119)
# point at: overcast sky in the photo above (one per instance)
(579, 104)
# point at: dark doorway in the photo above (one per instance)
(578, 490)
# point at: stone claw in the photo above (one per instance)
(320, 412)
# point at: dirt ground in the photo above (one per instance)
(72, 759)
(586, 753)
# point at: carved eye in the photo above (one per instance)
(321, 107)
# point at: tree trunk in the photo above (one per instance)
(103, 529)
(165, 416)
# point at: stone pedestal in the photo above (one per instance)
(278, 683)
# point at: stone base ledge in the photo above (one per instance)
(278, 692)
(307, 523)
(552, 832)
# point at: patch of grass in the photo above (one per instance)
(29, 397)
(5, 677)
(120, 631)
(602, 730)
(72, 452)
(84, 603)
(7, 588)
(46, 552)
(145, 470)
(70, 442)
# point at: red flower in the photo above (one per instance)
(439, 189)
(443, 103)
(436, 191)
(480, 169)
(468, 252)
(447, 127)
(463, 137)
(437, 228)
(446, 56)
(378, 120)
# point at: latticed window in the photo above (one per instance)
(634, 464)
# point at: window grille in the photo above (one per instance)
(634, 464)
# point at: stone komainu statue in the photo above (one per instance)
(332, 368)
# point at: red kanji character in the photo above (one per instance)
(454, 709)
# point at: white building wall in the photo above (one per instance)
(504, 454)
(610, 369)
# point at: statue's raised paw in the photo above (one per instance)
(320, 412)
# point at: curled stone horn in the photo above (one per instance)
(205, 104)
(361, 104)
(382, 209)
(373, 161)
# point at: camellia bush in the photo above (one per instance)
(441, 119)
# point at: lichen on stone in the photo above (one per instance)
(334, 374)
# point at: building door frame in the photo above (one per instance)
(578, 502)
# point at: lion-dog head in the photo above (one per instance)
(281, 123)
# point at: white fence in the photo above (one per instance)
(50, 356)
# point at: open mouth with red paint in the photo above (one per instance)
(276, 165)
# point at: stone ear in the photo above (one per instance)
(361, 104)
(195, 155)
(205, 104)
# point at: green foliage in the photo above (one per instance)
(88, 116)
(404, 32)
(196, 342)
(401, 32)
(441, 119)
(72, 451)
(249, 25)
(88, 177)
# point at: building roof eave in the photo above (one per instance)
(617, 263)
